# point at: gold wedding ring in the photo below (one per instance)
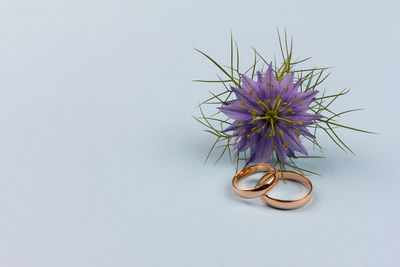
(268, 181)
(289, 204)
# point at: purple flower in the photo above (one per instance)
(270, 115)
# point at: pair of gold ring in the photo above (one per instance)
(267, 182)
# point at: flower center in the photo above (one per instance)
(271, 114)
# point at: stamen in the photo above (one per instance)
(272, 127)
(283, 109)
(262, 104)
(280, 133)
(283, 119)
(261, 118)
(279, 102)
(252, 112)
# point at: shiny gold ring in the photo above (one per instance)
(289, 204)
(268, 181)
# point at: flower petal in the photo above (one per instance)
(264, 149)
(235, 111)
(231, 127)
(293, 141)
(287, 80)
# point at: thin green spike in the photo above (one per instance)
(221, 68)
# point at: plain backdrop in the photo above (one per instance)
(101, 163)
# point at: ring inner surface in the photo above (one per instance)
(253, 170)
(296, 178)
(241, 178)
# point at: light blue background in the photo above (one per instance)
(101, 163)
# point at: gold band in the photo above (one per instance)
(268, 181)
(289, 204)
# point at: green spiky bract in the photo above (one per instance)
(311, 78)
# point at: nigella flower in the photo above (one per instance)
(270, 115)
